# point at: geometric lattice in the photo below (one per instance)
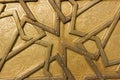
(59, 46)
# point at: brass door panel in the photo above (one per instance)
(59, 39)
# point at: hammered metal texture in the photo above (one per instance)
(59, 40)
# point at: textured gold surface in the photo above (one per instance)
(52, 32)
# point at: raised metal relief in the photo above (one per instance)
(76, 45)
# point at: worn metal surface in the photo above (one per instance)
(59, 40)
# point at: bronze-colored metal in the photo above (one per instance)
(8, 55)
(76, 45)
(27, 10)
(99, 28)
(39, 66)
(8, 49)
(39, 78)
(63, 18)
(25, 7)
(106, 76)
(106, 38)
(9, 1)
(84, 8)
(16, 17)
(44, 27)
(47, 65)
(68, 18)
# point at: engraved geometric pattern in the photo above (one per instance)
(59, 40)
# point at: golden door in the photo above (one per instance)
(59, 40)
